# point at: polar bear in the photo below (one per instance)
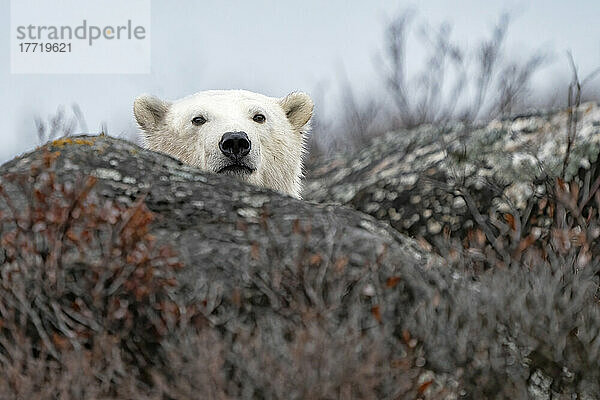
(258, 139)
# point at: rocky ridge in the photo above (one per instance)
(125, 274)
(416, 180)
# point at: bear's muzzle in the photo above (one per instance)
(235, 146)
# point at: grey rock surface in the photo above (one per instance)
(412, 179)
(258, 265)
(295, 299)
(214, 218)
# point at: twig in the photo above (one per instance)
(482, 223)
(571, 114)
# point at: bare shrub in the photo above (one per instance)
(91, 307)
(67, 122)
(419, 98)
(531, 323)
(573, 104)
(60, 124)
(453, 83)
(82, 282)
(529, 327)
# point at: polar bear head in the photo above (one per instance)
(246, 135)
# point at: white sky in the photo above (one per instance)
(274, 47)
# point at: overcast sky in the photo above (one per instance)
(274, 47)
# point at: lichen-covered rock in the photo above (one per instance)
(126, 274)
(417, 179)
(153, 276)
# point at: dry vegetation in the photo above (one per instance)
(89, 309)
(88, 306)
(454, 82)
(80, 277)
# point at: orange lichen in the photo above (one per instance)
(67, 140)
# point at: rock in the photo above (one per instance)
(134, 247)
(416, 180)
(125, 274)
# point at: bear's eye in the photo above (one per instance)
(259, 118)
(198, 120)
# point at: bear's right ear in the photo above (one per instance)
(149, 112)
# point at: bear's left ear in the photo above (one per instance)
(298, 108)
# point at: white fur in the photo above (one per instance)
(278, 144)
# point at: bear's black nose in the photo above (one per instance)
(235, 144)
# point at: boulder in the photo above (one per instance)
(431, 182)
(126, 274)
